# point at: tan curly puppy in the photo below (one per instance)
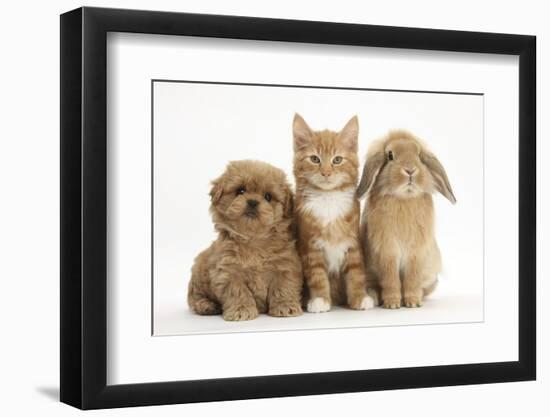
(252, 267)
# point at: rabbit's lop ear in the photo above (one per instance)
(372, 168)
(441, 180)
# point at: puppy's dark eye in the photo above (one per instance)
(315, 159)
(267, 197)
(241, 191)
(337, 160)
(390, 155)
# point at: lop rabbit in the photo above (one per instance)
(397, 227)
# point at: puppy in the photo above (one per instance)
(253, 266)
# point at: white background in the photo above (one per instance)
(198, 128)
(133, 356)
(30, 173)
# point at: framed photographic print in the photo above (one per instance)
(256, 208)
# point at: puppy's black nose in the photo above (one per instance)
(252, 203)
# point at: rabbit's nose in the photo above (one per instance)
(410, 171)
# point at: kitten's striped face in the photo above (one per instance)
(325, 159)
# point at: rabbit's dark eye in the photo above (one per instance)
(390, 155)
(241, 191)
(315, 159)
(267, 197)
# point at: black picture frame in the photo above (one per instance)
(84, 193)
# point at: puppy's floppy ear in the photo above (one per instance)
(373, 165)
(301, 132)
(217, 190)
(439, 175)
(288, 204)
(349, 134)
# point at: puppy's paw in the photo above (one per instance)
(412, 301)
(261, 306)
(285, 310)
(206, 307)
(392, 302)
(366, 303)
(318, 305)
(240, 313)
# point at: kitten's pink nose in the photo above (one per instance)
(325, 174)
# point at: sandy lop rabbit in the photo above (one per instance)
(397, 228)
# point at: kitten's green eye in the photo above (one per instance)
(337, 160)
(241, 191)
(315, 159)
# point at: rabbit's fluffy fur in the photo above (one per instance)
(397, 229)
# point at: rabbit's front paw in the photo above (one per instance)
(412, 301)
(392, 302)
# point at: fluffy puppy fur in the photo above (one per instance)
(397, 228)
(252, 267)
(327, 211)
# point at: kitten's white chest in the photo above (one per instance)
(335, 253)
(328, 206)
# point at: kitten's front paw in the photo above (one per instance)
(240, 313)
(363, 303)
(392, 302)
(367, 303)
(285, 310)
(373, 293)
(318, 305)
(412, 301)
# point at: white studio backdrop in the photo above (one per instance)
(198, 128)
(134, 60)
(30, 169)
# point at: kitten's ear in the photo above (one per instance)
(302, 133)
(349, 134)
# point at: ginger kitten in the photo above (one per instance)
(327, 212)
